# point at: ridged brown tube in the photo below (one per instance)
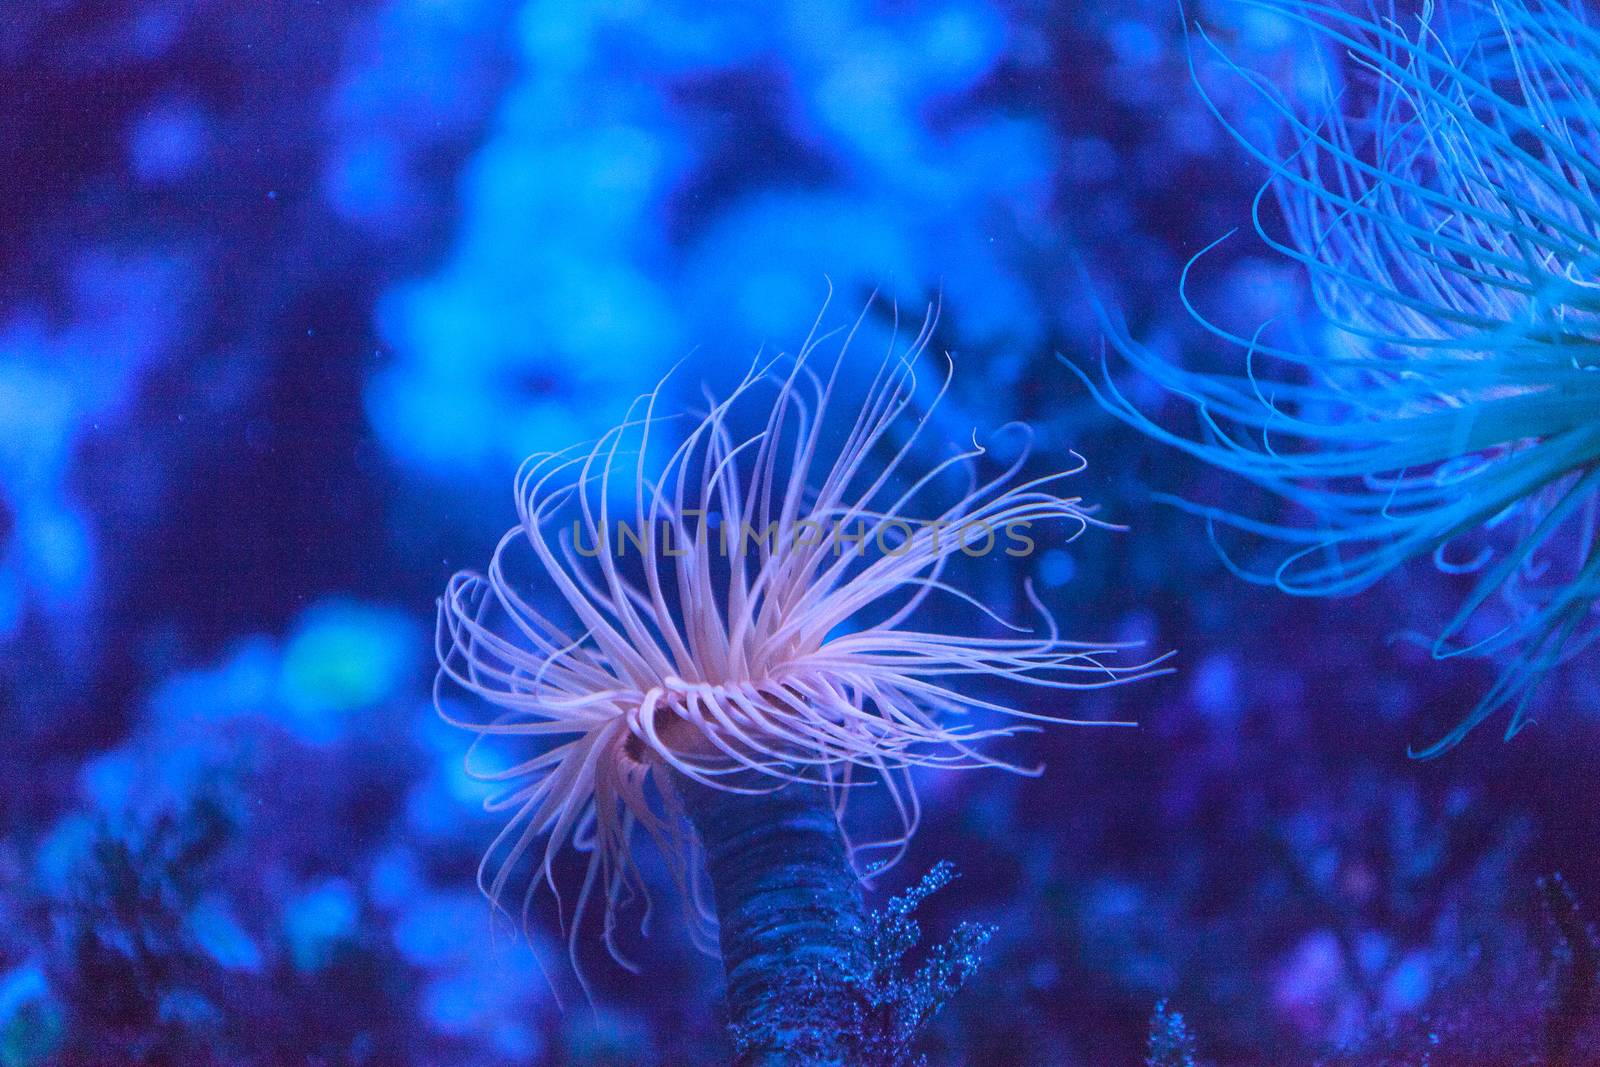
(792, 923)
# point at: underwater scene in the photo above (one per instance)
(843, 533)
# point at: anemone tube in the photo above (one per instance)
(1443, 204)
(726, 679)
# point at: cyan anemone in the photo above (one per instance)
(741, 621)
(1444, 206)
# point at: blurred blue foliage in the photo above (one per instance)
(286, 292)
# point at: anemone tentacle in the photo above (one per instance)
(1444, 206)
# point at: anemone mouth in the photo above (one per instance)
(675, 727)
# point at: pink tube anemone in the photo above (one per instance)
(740, 608)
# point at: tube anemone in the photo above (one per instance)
(1444, 207)
(728, 624)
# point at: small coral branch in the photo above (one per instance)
(903, 1001)
(1170, 1043)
